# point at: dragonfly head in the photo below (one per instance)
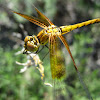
(31, 43)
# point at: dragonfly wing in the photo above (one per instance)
(43, 17)
(56, 58)
(67, 47)
(37, 21)
(78, 73)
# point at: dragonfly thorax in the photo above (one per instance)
(53, 30)
(31, 43)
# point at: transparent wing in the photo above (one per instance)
(56, 59)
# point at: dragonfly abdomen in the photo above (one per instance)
(66, 29)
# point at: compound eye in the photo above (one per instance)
(30, 47)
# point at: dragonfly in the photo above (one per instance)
(51, 34)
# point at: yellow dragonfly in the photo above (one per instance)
(52, 34)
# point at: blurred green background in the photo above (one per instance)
(84, 44)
